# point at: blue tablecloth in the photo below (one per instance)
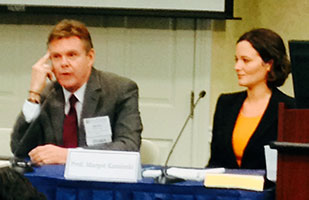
(50, 180)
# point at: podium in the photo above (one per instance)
(293, 154)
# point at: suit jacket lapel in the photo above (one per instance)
(269, 117)
(92, 95)
(231, 117)
(56, 102)
(91, 101)
(233, 113)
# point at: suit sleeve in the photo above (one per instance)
(215, 155)
(25, 136)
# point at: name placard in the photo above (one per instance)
(102, 165)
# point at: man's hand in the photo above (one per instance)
(40, 71)
(48, 154)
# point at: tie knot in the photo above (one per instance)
(73, 100)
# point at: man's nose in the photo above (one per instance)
(64, 61)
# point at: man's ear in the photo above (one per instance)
(91, 56)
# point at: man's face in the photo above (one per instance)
(71, 63)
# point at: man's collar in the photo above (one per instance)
(79, 94)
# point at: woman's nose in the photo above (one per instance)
(238, 65)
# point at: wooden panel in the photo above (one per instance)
(292, 172)
(292, 177)
(293, 125)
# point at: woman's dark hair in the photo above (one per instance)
(271, 48)
(15, 186)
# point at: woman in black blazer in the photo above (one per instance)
(246, 121)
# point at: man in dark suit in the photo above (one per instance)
(53, 117)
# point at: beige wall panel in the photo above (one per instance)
(20, 48)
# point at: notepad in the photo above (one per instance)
(235, 181)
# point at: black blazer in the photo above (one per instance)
(227, 109)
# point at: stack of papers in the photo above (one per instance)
(192, 174)
(184, 173)
(216, 177)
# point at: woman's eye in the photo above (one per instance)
(246, 60)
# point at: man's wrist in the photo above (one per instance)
(34, 97)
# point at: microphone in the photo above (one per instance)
(18, 164)
(164, 178)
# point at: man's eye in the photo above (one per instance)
(72, 55)
(55, 56)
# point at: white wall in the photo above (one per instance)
(5, 142)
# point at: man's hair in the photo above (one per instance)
(14, 185)
(271, 48)
(68, 28)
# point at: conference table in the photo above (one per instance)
(49, 179)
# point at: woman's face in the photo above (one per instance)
(250, 68)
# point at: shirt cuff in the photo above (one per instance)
(31, 111)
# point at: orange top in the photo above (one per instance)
(243, 130)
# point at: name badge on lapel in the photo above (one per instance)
(98, 130)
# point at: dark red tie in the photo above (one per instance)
(70, 125)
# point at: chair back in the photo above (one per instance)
(150, 152)
(5, 138)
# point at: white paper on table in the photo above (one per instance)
(151, 173)
(192, 174)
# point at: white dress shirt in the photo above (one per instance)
(32, 110)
